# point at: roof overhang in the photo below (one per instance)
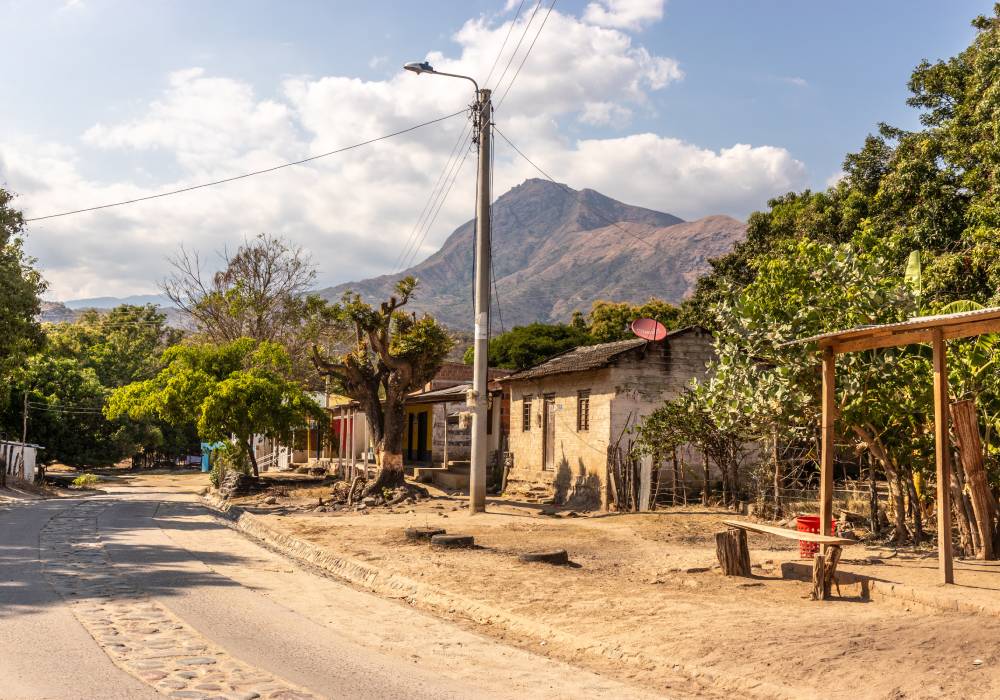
(916, 330)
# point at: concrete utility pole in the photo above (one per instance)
(478, 398)
(480, 366)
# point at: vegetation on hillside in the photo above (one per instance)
(912, 228)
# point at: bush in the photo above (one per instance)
(228, 458)
(86, 481)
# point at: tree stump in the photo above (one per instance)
(734, 555)
(551, 556)
(422, 533)
(830, 570)
(817, 580)
(453, 541)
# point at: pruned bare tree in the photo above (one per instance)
(260, 292)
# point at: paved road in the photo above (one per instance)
(142, 593)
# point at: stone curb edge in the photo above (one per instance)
(391, 585)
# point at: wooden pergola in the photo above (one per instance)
(933, 330)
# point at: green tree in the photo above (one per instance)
(524, 346)
(20, 288)
(237, 389)
(262, 291)
(393, 354)
(610, 321)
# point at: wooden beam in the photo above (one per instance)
(882, 341)
(966, 330)
(942, 455)
(826, 456)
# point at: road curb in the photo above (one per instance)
(391, 585)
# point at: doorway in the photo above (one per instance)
(549, 432)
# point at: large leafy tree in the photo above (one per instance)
(237, 389)
(261, 291)
(392, 354)
(20, 288)
(524, 346)
(67, 383)
(609, 321)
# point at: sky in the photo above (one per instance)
(693, 107)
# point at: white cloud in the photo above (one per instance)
(376, 62)
(624, 14)
(605, 114)
(835, 178)
(354, 211)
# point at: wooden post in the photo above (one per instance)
(942, 455)
(830, 570)
(732, 551)
(826, 457)
(818, 578)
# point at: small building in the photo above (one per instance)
(18, 459)
(567, 411)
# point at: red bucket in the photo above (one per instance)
(810, 523)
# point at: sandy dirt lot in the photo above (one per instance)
(646, 584)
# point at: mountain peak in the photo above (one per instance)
(556, 250)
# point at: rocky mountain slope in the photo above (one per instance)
(556, 250)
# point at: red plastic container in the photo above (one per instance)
(810, 523)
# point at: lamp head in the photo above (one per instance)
(419, 67)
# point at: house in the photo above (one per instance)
(437, 441)
(17, 459)
(435, 437)
(568, 410)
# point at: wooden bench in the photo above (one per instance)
(734, 557)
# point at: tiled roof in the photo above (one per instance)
(579, 359)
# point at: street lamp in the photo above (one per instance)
(478, 398)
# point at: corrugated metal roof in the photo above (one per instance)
(588, 357)
(890, 329)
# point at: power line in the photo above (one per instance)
(493, 274)
(416, 248)
(528, 53)
(432, 199)
(250, 174)
(519, 42)
(504, 44)
(550, 179)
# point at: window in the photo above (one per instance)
(526, 413)
(583, 409)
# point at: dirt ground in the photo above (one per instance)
(647, 584)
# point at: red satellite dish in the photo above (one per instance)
(649, 329)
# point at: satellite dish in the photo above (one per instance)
(649, 329)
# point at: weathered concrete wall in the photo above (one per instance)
(580, 456)
(620, 396)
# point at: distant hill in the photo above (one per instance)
(556, 250)
(112, 302)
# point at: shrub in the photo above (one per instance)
(228, 458)
(86, 481)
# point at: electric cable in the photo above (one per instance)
(249, 174)
(550, 179)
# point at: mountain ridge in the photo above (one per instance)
(557, 250)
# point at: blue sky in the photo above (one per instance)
(110, 97)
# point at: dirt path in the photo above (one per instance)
(643, 585)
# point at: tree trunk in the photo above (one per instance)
(918, 522)
(777, 474)
(676, 479)
(705, 486)
(390, 473)
(970, 451)
(899, 497)
(253, 458)
(872, 496)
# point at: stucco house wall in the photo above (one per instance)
(622, 393)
